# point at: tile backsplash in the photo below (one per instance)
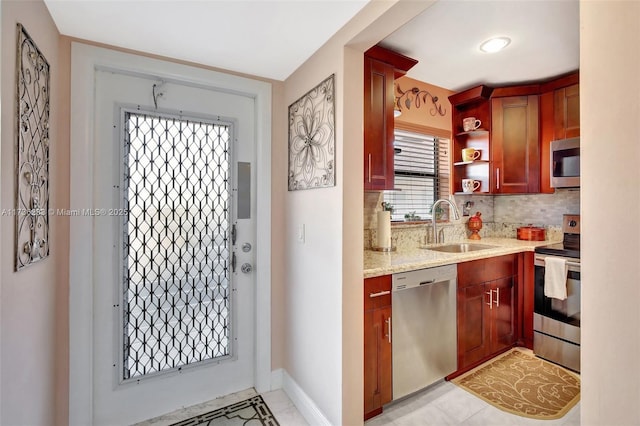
(501, 215)
(537, 209)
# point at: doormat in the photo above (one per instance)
(252, 411)
(523, 384)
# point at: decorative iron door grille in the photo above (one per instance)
(176, 248)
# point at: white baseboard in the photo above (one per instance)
(305, 405)
(276, 379)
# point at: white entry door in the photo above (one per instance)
(174, 206)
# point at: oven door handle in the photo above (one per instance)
(573, 266)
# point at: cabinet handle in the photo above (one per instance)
(497, 301)
(388, 321)
(498, 178)
(369, 168)
(382, 293)
(490, 293)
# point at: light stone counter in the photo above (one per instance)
(377, 263)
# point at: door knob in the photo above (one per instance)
(246, 247)
(246, 268)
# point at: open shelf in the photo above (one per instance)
(464, 163)
(473, 132)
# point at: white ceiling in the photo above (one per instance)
(272, 38)
(265, 38)
(446, 37)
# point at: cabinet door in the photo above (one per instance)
(502, 314)
(473, 333)
(515, 145)
(378, 125)
(377, 355)
(567, 112)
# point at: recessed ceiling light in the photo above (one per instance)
(495, 44)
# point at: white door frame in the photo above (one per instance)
(84, 61)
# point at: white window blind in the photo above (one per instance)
(421, 167)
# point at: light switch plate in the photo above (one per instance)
(301, 233)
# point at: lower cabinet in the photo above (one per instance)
(377, 344)
(486, 310)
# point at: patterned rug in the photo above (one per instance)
(522, 384)
(250, 412)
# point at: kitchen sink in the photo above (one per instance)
(460, 247)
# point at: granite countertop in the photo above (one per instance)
(378, 263)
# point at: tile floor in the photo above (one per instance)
(441, 404)
(446, 404)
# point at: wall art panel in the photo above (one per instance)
(32, 152)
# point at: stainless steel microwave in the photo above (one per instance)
(565, 163)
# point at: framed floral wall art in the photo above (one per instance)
(312, 138)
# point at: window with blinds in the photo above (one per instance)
(421, 166)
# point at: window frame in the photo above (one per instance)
(439, 179)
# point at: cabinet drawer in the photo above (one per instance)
(483, 270)
(377, 292)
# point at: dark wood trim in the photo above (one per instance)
(528, 298)
(475, 94)
(538, 88)
(526, 90)
(518, 320)
(560, 82)
(547, 129)
(400, 62)
(372, 413)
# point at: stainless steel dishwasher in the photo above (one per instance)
(424, 348)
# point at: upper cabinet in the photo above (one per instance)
(567, 112)
(560, 119)
(517, 125)
(472, 103)
(381, 68)
(515, 147)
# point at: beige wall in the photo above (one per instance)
(610, 148)
(33, 368)
(323, 349)
(424, 115)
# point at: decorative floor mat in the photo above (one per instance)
(250, 412)
(524, 385)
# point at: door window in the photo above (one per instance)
(176, 248)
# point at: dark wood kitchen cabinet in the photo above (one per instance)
(474, 102)
(559, 119)
(486, 310)
(381, 68)
(567, 112)
(378, 125)
(508, 142)
(377, 344)
(515, 145)
(518, 124)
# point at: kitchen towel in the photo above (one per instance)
(555, 278)
(384, 229)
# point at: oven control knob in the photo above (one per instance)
(573, 223)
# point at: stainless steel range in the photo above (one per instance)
(556, 322)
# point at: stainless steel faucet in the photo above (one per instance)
(454, 209)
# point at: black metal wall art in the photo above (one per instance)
(32, 145)
(419, 97)
(312, 139)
